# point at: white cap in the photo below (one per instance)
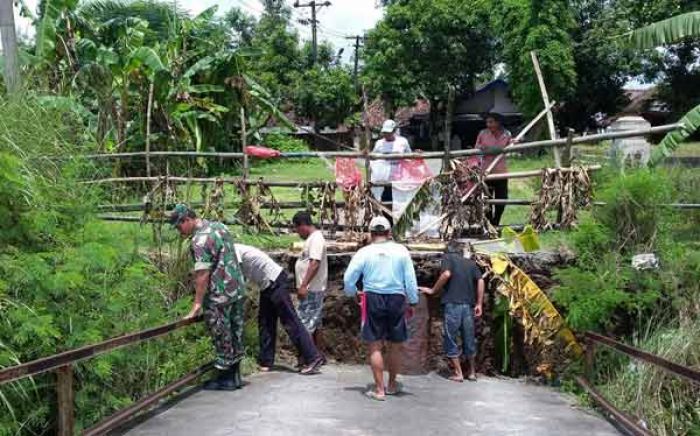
(389, 126)
(379, 224)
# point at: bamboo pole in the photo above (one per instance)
(545, 99)
(8, 36)
(368, 134)
(449, 112)
(585, 139)
(148, 129)
(272, 184)
(246, 162)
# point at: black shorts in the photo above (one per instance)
(385, 318)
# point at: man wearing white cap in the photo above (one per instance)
(389, 293)
(385, 171)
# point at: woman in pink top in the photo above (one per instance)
(492, 139)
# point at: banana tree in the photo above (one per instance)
(670, 31)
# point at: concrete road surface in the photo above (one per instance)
(332, 403)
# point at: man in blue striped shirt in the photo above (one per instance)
(389, 293)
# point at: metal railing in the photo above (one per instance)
(629, 423)
(62, 365)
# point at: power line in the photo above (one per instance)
(314, 22)
(358, 39)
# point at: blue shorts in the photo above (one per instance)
(459, 320)
(385, 318)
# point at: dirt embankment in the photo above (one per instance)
(341, 322)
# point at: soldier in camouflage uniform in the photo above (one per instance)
(219, 291)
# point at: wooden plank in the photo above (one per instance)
(65, 401)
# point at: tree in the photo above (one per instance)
(602, 67)
(670, 23)
(681, 28)
(422, 47)
(325, 95)
(277, 60)
(544, 26)
(242, 24)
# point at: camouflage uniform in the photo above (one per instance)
(213, 250)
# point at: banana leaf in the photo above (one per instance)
(690, 122)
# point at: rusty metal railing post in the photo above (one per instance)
(65, 397)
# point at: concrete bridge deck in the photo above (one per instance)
(332, 403)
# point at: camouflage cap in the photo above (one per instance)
(179, 213)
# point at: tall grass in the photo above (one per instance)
(667, 404)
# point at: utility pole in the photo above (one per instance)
(314, 22)
(357, 39)
(9, 45)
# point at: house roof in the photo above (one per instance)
(643, 100)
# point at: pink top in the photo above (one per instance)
(488, 139)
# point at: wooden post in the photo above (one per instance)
(566, 156)
(545, 99)
(589, 359)
(246, 163)
(8, 35)
(148, 130)
(65, 399)
(448, 127)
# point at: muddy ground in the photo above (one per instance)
(341, 322)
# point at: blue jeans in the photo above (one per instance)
(459, 319)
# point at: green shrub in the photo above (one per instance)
(68, 280)
(285, 143)
(633, 212)
(602, 291)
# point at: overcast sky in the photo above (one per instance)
(342, 18)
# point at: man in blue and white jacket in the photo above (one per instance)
(389, 293)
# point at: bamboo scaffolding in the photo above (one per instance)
(138, 207)
(585, 139)
(513, 175)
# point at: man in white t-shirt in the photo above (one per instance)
(311, 271)
(386, 171)
(275, 303)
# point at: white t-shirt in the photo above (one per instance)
(381, 170)
(314, 249)
(257, 266)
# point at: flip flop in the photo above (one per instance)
(398, 390)
(375, 396)
(456, 379)
(471, 377)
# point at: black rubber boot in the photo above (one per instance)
(224, 381)
(236, 370)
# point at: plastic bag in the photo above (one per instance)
(262, 152)
(412, 170)
(347, 174)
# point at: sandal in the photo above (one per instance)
(471, 377)
(313, 368)
(454, 378)
(375, 396)
(398, 390)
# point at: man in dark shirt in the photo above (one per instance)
(462, 300)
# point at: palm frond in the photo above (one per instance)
(666, 32)
(690, 123)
